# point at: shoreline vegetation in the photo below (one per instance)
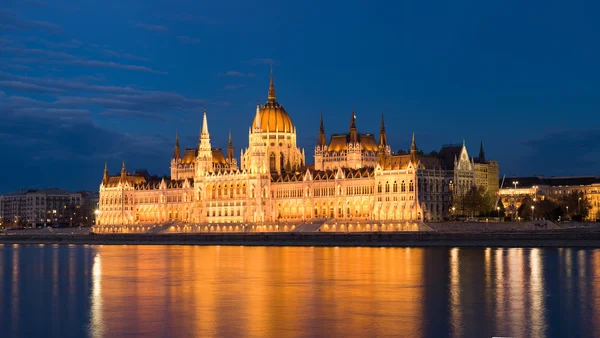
(539, 238)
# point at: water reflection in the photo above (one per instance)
(159, 291)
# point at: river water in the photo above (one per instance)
(204, 291)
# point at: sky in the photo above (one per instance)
(87, 82)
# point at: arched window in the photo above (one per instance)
(272, 161)
(411, 186)
(379, 187)
(387, 186)
(403, 186)
(395, 186)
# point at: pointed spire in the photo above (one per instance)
(230, 154)
(322, 140)
(271, 87)
(353, 135)
(204, 133)
(382, 135)
(177, 151)
(105, 177)
(257, 121)
(481, 153)
(123, 172)
(413, 149)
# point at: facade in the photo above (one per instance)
(39, 207)
(486, 173)
(517, 188)
(354, 178)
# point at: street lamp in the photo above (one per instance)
(567, 211)
(579, 205)
(453, 210)
(498, 209)
(532, 212)
(96, 213)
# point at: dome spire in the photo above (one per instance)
(322, 140)
(271, 87)
(204, 132)
(382, 135)
(105, 177)
(353, 135)
(413, 150)
(177, 151)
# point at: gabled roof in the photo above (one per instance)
(447, 155)
(189, 156)
(339, 142)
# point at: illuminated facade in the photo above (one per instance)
(513, 195)
(354, 178)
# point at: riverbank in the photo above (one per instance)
(540, 238)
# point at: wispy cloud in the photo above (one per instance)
(110, 64)
(11, 21)
(188, 40)
(188, 18)
(261, 61)
(38, 3)
(151, 27)
(14, 66)
(49, 56)
(234, 73)
(28, 87)
(233, 86)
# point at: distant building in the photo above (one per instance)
(486, 173)
(39, 207)
(541, 187)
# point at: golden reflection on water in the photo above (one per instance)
(256, 291)
(172, 291)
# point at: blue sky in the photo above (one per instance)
(84, 82)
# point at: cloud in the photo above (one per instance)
(234, 73)
(2, 93)
(134, 113)
(188, 18)
(29, 87)
(38, 3)
(12, 21)
(580, 148)
(188, 40)
(49, 56)
(150, 27)
(234, 86)
(261, 61)
(14, 66)
(112, 100)
(110, 64)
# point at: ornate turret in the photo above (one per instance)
(105, 177)
(413, 150)
(230, 154)
(271, 87)
(204, 160)
(123, 173)
(322, 141)
(177, 150)
(353, 134)
(382, 136)
(481, 153)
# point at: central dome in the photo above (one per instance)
(273, 118)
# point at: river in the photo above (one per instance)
(236, 291)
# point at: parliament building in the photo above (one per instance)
(356, 183)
